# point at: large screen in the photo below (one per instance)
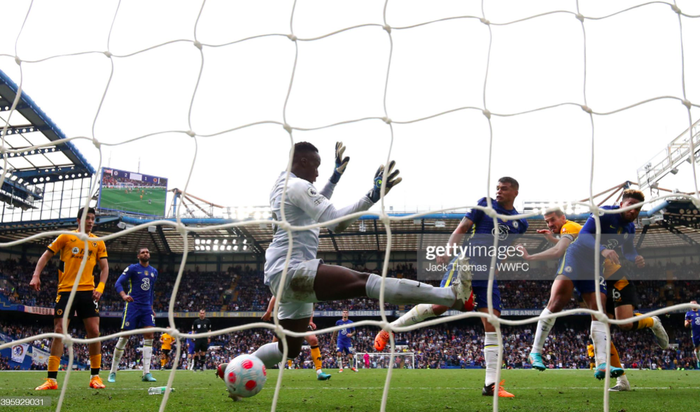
(131, 192)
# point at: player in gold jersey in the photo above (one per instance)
(85, 303)
(620, 303)
(166, 342)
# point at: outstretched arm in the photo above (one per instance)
(40, 265)
(550, 254)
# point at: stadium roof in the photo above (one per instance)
(23, 128)
(679, 226)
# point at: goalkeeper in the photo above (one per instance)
(310, 280)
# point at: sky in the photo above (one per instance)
(331, 84)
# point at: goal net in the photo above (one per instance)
(561, 96)
(375, 360)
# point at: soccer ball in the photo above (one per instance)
(245, 376)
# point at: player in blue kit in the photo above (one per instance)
(577, 270)
(190, 352)
(138, 280)
(692, 321)
(344, 345)
(477, 260)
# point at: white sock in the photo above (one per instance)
(491, 349)
(403, 291)
(147, 354)
(340, 363)
(697, 353)
(269, 354)
(118, 353)
(599, 343)
(417, 314)
(623, 378)
(319, 371)
(543, 328)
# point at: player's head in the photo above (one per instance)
(202, 313)
(555, 220)
(89, 218)
(306, 161)
(144, 255)
(345, 315)
(506, 191)
(694, 302)
(631, 197)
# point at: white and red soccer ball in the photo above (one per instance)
(244, 376)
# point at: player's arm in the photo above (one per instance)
(340, 164)
(687, 320)
(104, 274)
(456, 238)
(121, 284)
(629, 251)
(587, 238)
(322, 210)
(548, 235)
(153, 292)
(351, 332)
(40, 265)
(550, 254)
(268, 313)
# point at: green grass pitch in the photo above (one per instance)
(411, 390)
(131, 201)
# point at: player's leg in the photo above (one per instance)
(89, 311)
(92, 329)
(271, 353)
(424, 311)
(560, 295)
(316, 357)
(339, 357)
(56, 350)
(338, 282)
(351, 359)
(147, 352)
(491, 344)
(128, 323)
(625, 297)
(598, 328)
(696, 344)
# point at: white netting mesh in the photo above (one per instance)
(184, 48)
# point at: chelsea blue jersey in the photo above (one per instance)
(483, 230)
(615, 233)
(343, 338)
(138, 282)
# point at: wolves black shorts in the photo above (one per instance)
(166, 352)
(621, 292)
(83, 305)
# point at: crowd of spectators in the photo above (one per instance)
(242, 289)
(439, 346)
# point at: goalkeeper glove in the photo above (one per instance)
(392, 180)
(340, 163)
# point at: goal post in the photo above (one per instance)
(376, 360)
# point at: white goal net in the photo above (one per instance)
(567, 97)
